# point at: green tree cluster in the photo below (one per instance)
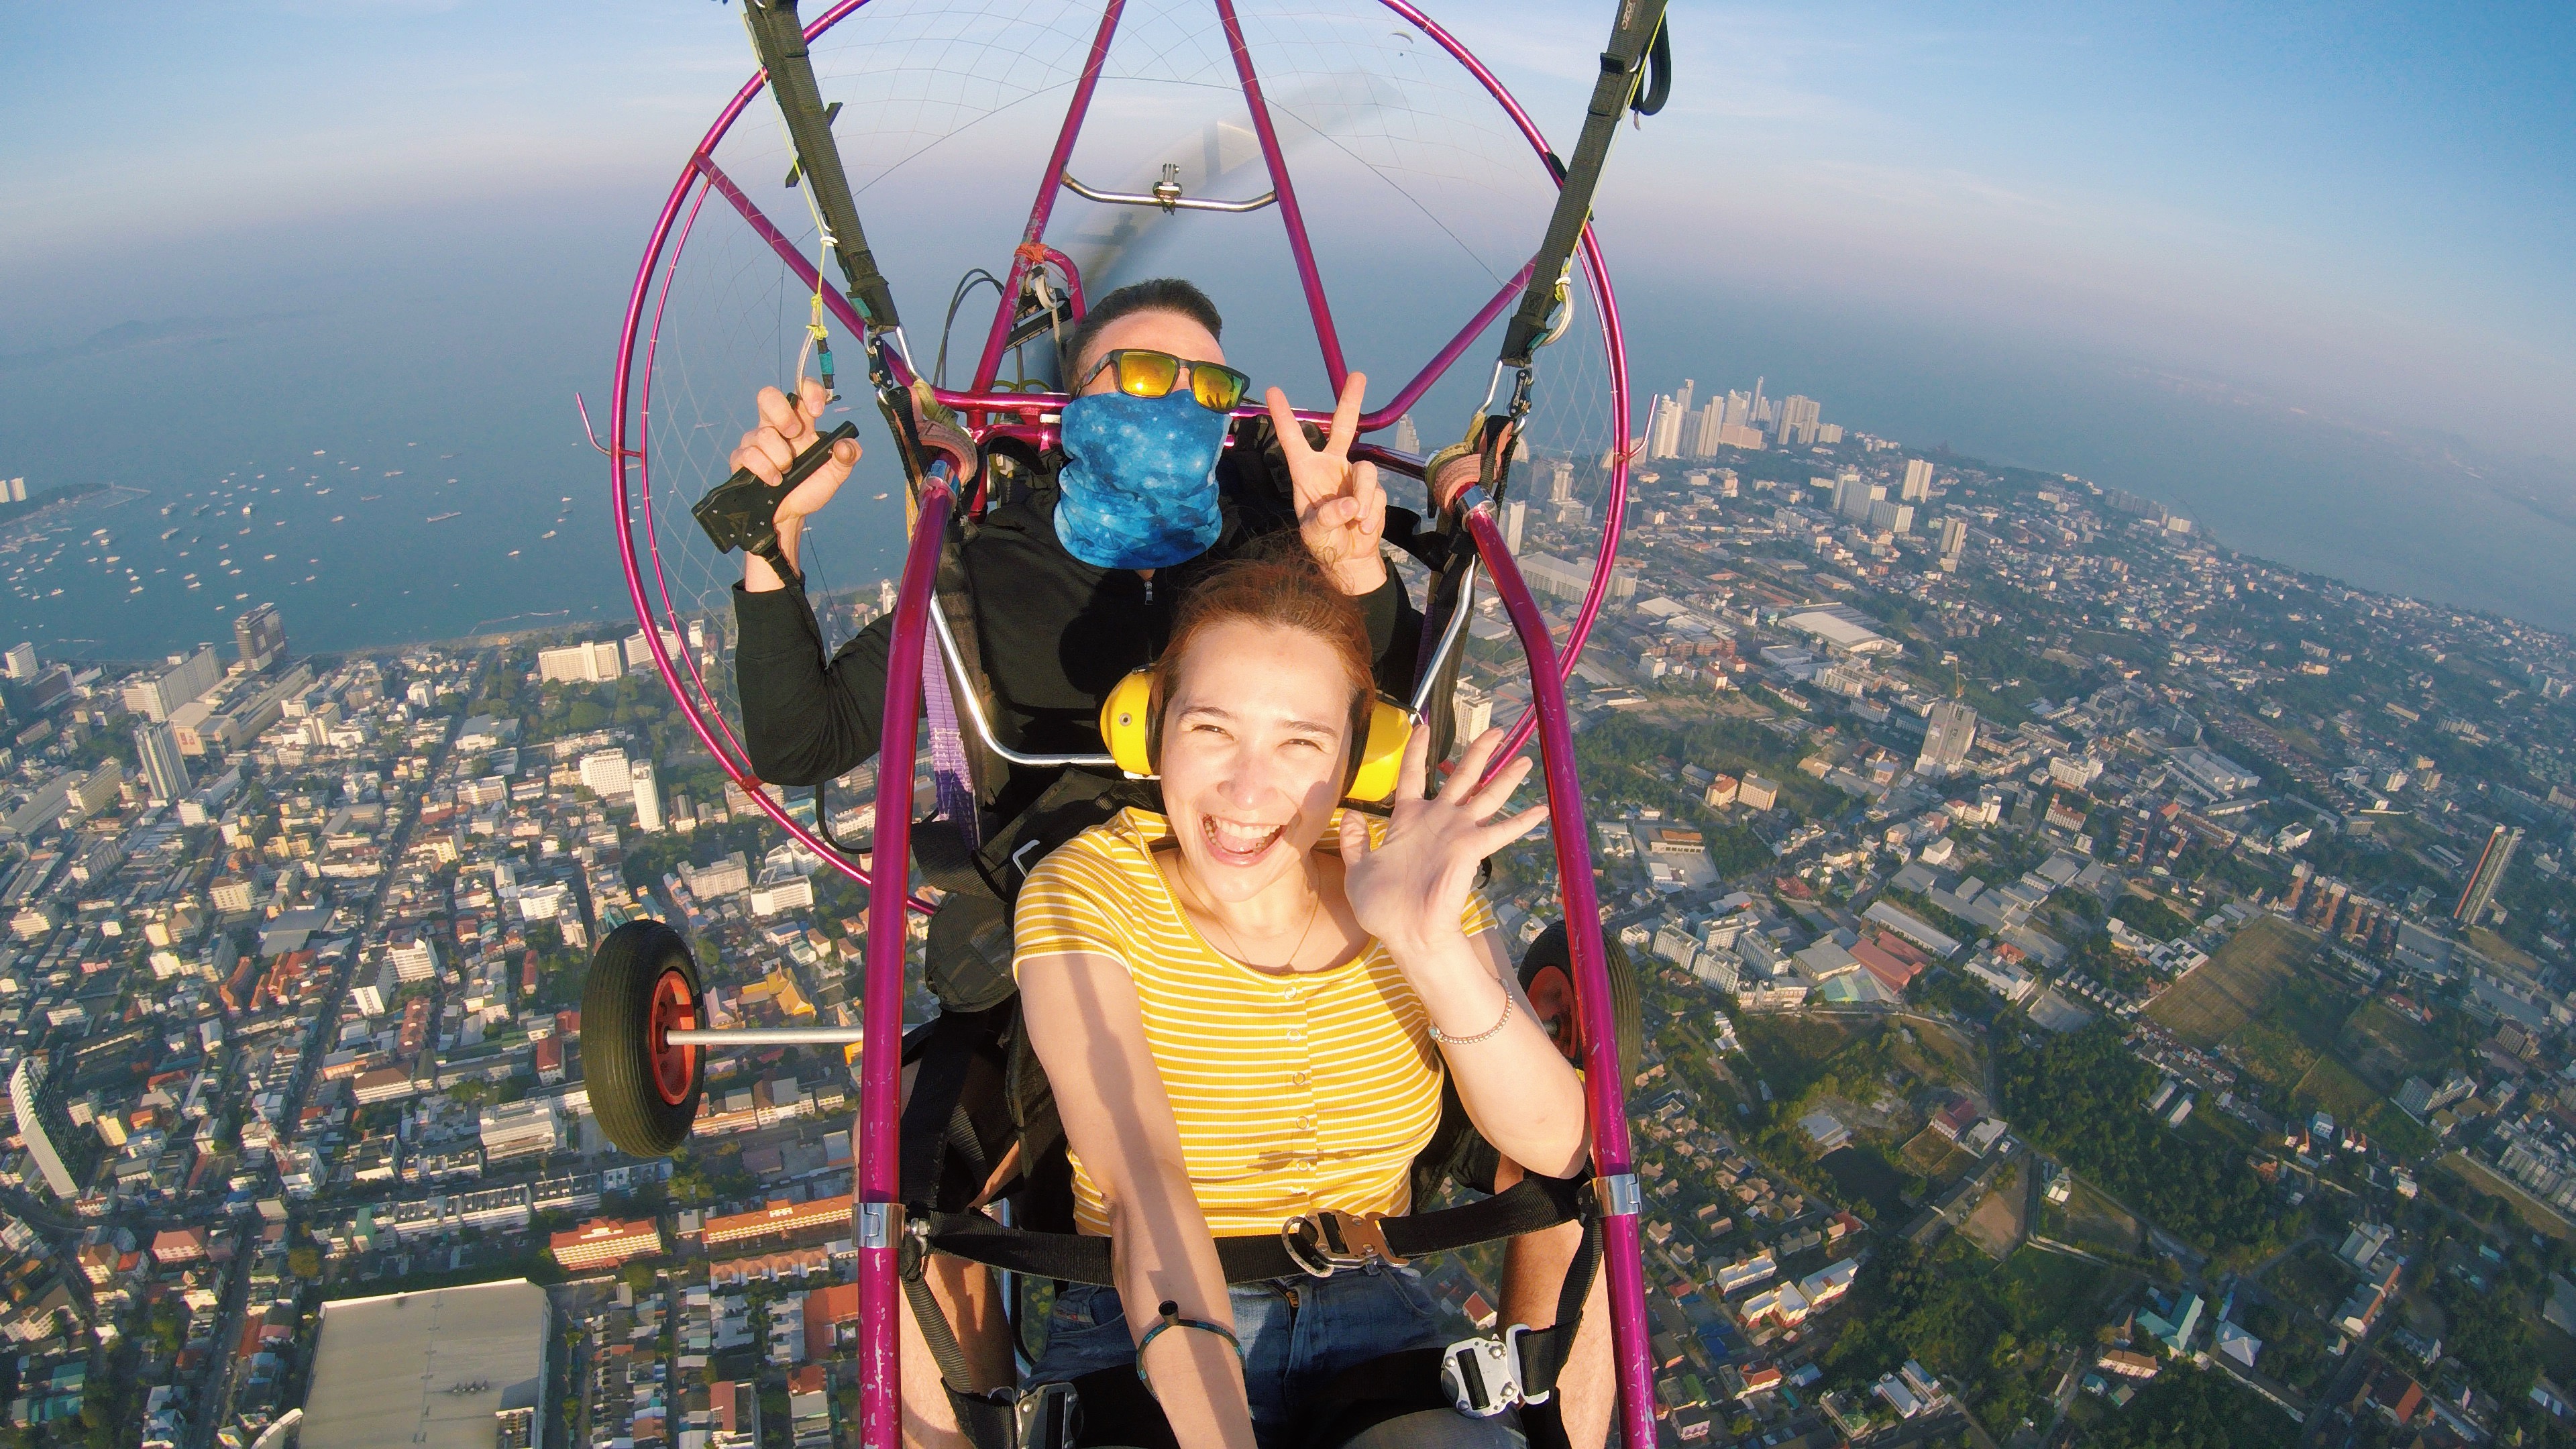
(1943, 1309)
(2492, 1339)
(2185, 1409)
(2082, 1097)
(2150, 917)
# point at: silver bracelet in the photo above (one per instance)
(1488, 1034)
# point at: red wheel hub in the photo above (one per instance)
(1552, 991)
(675, 1007)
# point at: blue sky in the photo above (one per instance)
(2363, 206)
(2360, 210)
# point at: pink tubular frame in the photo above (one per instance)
(1022, 413)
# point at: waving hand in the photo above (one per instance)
(1410, 889)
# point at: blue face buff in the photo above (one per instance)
(1139, 479)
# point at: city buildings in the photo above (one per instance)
(1561, 579)
(325, 1004)
(590, 663)
(517, 1129)
(606, 1243)
(778, 1220)
(607, 773)
(1797, 422)
(158, 693)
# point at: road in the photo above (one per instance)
(218, 1389)
(2324, 1415)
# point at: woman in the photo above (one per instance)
(1247, 1005)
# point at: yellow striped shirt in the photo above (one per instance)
(1293, 1093)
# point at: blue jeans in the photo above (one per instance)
(1297, 1334)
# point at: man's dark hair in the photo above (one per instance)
(1162, 294)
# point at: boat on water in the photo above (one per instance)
(443, 517)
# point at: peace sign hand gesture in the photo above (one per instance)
(1341, 509)
(1410, 889)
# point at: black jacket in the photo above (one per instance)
(1057, 635)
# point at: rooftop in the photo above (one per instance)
(429, 1369)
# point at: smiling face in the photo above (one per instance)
(1152, 329)
(1253, 741)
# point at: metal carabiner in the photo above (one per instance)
(1332, 1240)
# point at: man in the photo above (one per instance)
(1058, 630)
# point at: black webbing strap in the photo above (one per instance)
(987, 1423)
(1622, 67)
(1533, 1203)
(776, 557)
(779, 39)
(944, 1050)
(1545, 1350)
(944, 1348)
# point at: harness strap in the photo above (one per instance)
(1622, 67)
(1544, 1351)
(948, 768)
(944, 1348)
(988, 1423)
(779, 40)
(1533, 1203)
(937, 1095)
(776, 558)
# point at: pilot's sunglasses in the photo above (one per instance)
(1143, 372)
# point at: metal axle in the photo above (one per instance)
(764, 1036)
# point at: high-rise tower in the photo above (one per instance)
(260, 635)
(157, 745)
(2501, 844)
(1952, 732)
(64, 1153)
(1918, 480)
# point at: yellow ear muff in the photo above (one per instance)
(1127, 728)
(1382, 754)
(1127, 723)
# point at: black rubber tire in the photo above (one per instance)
(1550, 949)
(616, 1042)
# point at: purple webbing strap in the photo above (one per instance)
(948, 771)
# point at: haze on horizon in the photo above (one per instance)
(2195, 251)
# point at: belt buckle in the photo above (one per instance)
(1332, 1240)
(1482, 1376)
(1048, 1416)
